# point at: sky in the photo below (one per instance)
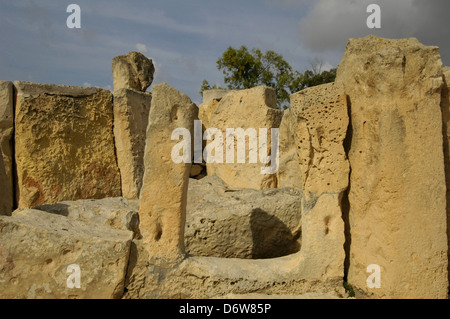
(184, 38)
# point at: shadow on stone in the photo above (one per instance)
(57, 209)
(271, 237)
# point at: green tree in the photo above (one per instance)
(244, 69)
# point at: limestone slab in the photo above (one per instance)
(38, 251)
(64, 144)
(397, 195)
(131, 109)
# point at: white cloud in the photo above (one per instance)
(141, 47)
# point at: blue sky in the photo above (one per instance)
(185, 37)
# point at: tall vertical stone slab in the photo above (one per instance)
(397, 185)
(64, 144)
(251, 109)
(321, 123)
(131, 109)
(289, 173)
(163, 196)
(6, 134)
(445, 106)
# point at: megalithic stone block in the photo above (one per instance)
(397, 184)
(64, 144)
(163, 196)
(131, 109)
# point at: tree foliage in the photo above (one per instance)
(244, 69)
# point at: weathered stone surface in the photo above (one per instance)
(320, 127)
(289, 173)
(6, 132)
(131, 109)
(164, 190)
(247, 109)
(5, 198)
(36, 249)
(64, 144)
(117, 213)
(214, 94)
(206, 110)
(132, 71)
(445, 107)
(322, 120)
(316, 268)
(241, 223)
(397, 195)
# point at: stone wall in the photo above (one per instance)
(361, 184)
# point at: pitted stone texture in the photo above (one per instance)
(247, 109)
(64, 144)
(397, 194)
(322, 120)
(131, 109)
(164, 190)
(36, 249)
(6, 135)
(132, 71)
(241, 223)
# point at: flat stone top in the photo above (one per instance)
(217, 94)
(30, 88)
(64, 226)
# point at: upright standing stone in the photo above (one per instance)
(64, 144)
(397, 194)
(132, 71)
(289, 173)
(6, 133)
(251, 109)
(445, 106)
(322, 121)
(131, 109)
(321, 115)
(163, 196)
